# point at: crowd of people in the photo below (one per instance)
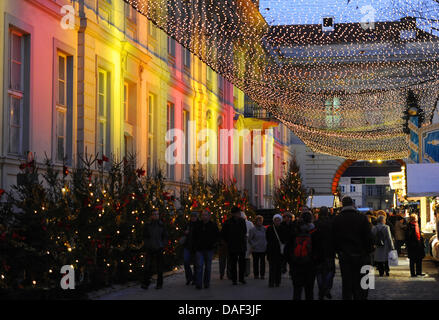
(304, 244)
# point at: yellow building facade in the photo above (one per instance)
(96, 77)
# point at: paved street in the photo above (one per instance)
(399, 286)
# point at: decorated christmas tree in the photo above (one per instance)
(291, 194)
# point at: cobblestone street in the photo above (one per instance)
(399, 286)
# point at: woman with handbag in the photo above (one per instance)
(415, 246)
(384, 244)
(275, 250)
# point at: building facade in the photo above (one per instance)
(96, 77)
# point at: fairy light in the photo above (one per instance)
(342, 93)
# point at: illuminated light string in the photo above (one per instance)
(342, 92)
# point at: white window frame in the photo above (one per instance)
(61, 108)
(16, 93)
(186, 167)
(126, 99)
(102, 119)
(150, 147)
(170, 124)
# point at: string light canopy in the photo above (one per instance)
(329, 70)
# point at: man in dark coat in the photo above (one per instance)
(234, 233)
(206, 235)
(155, 240)
(324, 253)
(353, 243)
(189, 249)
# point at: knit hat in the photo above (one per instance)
(277, 216)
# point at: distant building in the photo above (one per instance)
(368, 184)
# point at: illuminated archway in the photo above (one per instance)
(342, 169)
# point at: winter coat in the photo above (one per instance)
(400, 230)
(301, 229)
(234, 233)
(286, 231)
(352, 233)
(206, 235)
(189, 242)
(415, 247)
(382, 253)
(155, 236)
(273, 246)
(249, 225)
(323, 245)
(257, 239)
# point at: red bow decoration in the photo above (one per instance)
(140, 172)
(2, 191)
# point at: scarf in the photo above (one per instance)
(418, 234)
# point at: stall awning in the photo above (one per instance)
(423, 180)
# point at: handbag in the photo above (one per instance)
(281, 245)
(393, 258)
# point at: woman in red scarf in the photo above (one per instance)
(415, 246)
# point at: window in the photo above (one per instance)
(61, 107)
(220, 87)
(103, 112)
(170, 169)
(152, 29)
(129, 145)
(130, 12)
(16, 92)
(186, 58)
(186, 170)
(125, 101)
(342, 189)
(150, 132)
(105, 9)
(171, 47)
(332, 107)
(353, 188)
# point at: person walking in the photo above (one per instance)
(206, 236)
(223, 260)
(155, 239)
(234, 233)
(400, 231)
(302, 257)
(323, 248)
(353, 244)
(189, 250)
(274, 252)
(286, 232)
(249, 225)
(383, 245)
(415, 246)
(258, 244)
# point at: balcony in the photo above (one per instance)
(255, 117)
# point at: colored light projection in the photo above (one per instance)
(341, 86)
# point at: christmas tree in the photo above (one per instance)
(291, 194)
